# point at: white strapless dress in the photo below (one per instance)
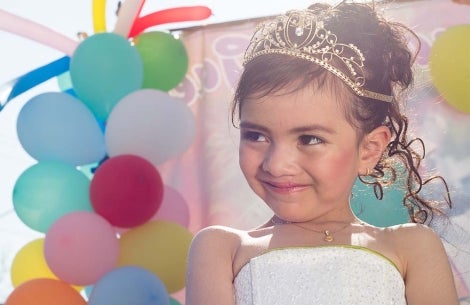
(330, 275)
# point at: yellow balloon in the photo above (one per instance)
(160, 247)
(29, 263)
(450, 66)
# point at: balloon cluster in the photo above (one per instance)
(119, 231)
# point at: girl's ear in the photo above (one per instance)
(371, 148)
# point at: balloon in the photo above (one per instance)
(164, 58)
(35, 31)
(64, 82)
(165, 126)
(127, 190)
(29, 263)
(81, 247)
(449, 67)
(381, 213)
(174, 207)
(178, 14)
(99, 16)
(174, 301)
(48, 190)
(129, 285)
(160, 247)
(128, 12)
(105, 68)
(55, 126)
(43, 291)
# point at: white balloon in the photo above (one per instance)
(151, 124)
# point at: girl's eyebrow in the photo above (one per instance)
(296, 130)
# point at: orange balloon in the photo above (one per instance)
(44, 291)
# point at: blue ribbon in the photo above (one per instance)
(31, 79)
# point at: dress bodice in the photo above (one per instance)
(330, 275)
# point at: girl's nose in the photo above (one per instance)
(279, 161)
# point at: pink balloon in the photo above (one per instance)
(80, 247)
(127, 190)
(174, 207)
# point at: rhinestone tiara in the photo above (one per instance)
(301, 33)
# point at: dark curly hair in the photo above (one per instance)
(388, 70)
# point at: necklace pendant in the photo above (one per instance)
(328, 238)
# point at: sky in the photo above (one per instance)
(19, 55)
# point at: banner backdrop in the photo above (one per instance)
(207, 174)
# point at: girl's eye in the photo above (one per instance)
(309, 140)
(253, 136)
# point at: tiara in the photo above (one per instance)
(301, 33)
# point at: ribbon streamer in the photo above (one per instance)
(17, 86)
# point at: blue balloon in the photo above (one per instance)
(48, 190)
(381, 213)
(56, 126)
(104, 68)
(129, 285)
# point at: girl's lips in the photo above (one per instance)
(284, 188)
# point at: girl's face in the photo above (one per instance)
(299, 154)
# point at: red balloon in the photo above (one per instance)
(178, 14)
(43, 291)
(127, 190)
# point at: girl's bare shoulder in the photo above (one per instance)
(414, 240)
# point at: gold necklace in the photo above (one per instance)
(328, 234)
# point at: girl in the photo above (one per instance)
(318, 106)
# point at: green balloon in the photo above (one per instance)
(164, 58)
(174, 301)
(48, 190)
(381, 213)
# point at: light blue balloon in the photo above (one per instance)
(381, 213)
(129, 285)
(104, 68)
(56, 126)
(48, 190)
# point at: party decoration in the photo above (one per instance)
(127, 13)
(55, 126)
(64, 82)
(103, 69)
(35, 31)
(178, 14)
(449, 66)
(174, 207)
(29, 263)
(81, 247)
(130, 285)
(381, 213)
(48, 190)
(165, 125)
(44, 291)
(127, 190)
(33, 78)
(174, 301)
(99, 15)
(165, 60)
(160, 247)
